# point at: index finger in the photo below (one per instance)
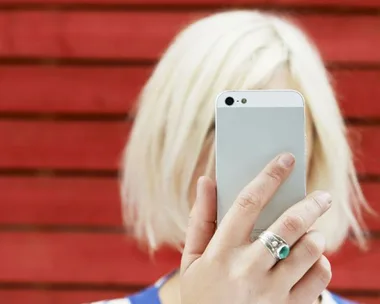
(238, 223)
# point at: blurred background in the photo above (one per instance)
(70, 71)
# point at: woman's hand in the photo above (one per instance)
(224, 267)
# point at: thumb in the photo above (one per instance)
(202, 222)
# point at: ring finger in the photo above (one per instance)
(294, 223)
(304, 254)
(313, 283)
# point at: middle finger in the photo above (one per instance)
(237, 225)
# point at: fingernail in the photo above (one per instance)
(286, 160)
(324, 198)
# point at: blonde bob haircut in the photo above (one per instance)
(230, 50)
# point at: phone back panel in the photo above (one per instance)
(248, 136)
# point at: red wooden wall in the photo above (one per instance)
(69, 72)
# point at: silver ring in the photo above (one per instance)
(276, 245)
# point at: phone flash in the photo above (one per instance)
(243, 100)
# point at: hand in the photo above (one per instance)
(222, 266)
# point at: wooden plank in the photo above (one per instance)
(98, 145)
(366, 142)
(79, 257)
(65, 145)
(105, 34)
(372, 194)
(92, 202)
(208, 3)
(60, 201)
(357, 91)
(354, 269)
(109, 34)
(334, 46)
(70, 89)
(41, 89)
(57, 296)
(105, 258)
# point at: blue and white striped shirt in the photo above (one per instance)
(150, 295)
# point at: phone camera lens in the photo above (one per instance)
(229, 101)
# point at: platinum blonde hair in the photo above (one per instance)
(231, 50)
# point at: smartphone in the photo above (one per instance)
(252, 127)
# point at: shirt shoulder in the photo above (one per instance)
(149, 295)
(146, 296)
(116, 301)
(330, 298)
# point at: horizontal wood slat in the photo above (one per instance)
(58, 257)
(356, 269)
(45, 144)
(366, 144)
(57, 297)
(114, 90)
(69, 89)
(208, 3)
(88, 202)
(88, 34)
(358, 92)
(79, 257)
(60, 201)
(109, 34)
(372, 193)
(98, 145)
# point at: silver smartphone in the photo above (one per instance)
(252, 127)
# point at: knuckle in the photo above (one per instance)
(214, 254)
(313, 248)
(250, 201)
(190, 221)
(325, 263)
(324, 271)
(314, 201)
(240, 271)
(275, 173)
(293, 223)
(325, 277)
(206, 228)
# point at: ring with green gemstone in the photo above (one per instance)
(276, 245)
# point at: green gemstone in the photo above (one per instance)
(283, 252)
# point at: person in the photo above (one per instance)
(169, 164)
